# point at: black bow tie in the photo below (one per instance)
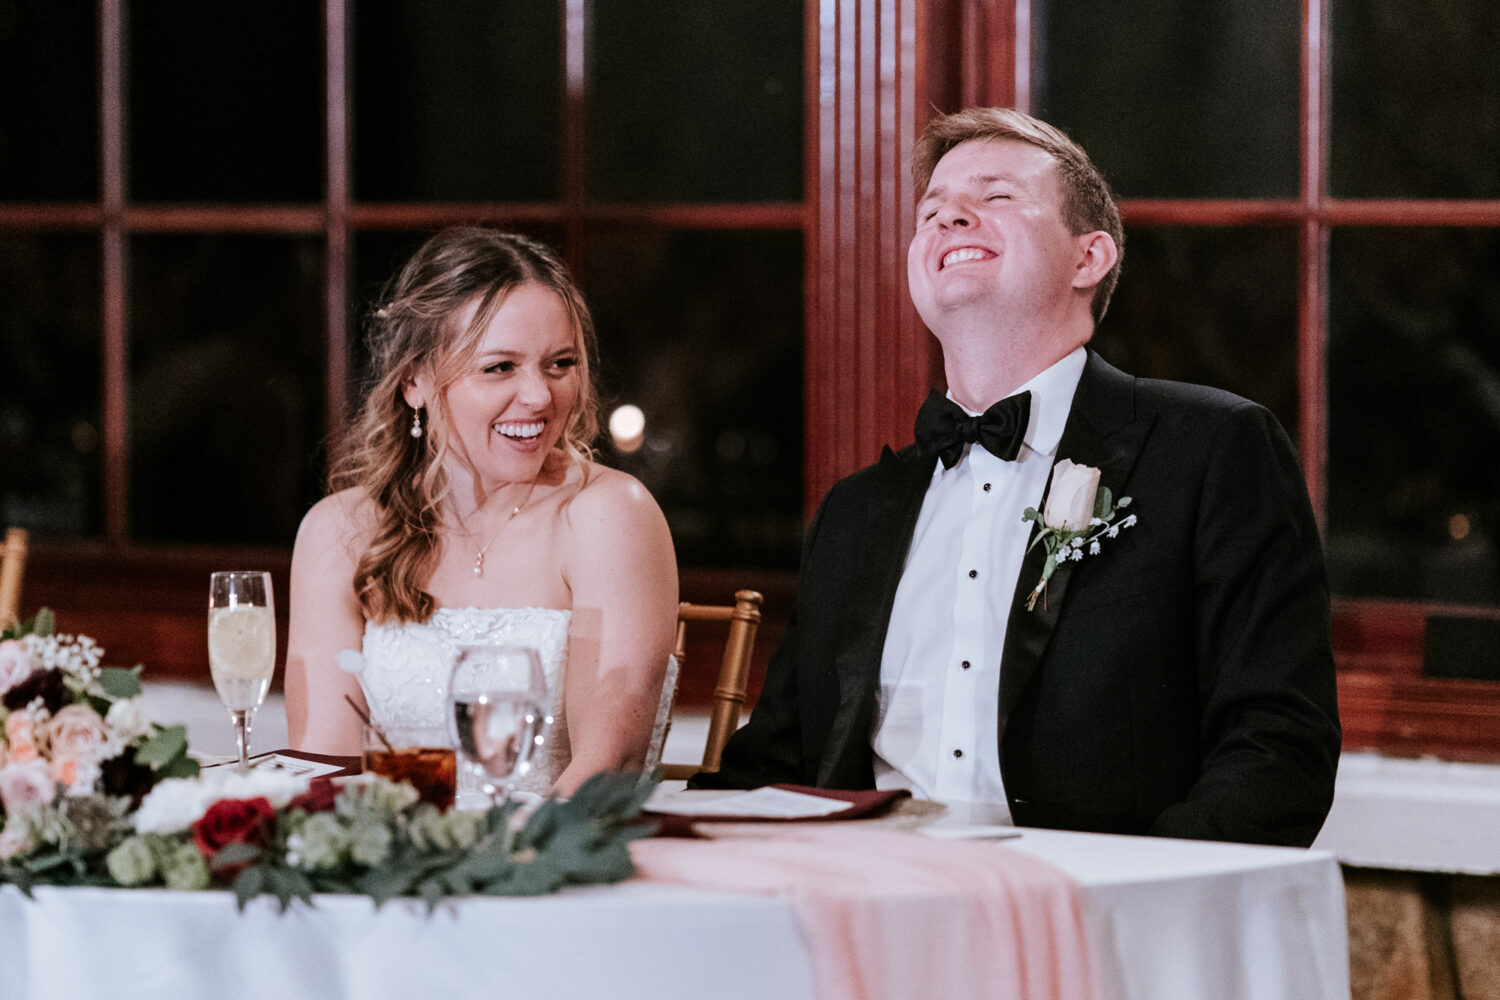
(943, 428)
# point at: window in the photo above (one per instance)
(1322, 235)
(179, 327)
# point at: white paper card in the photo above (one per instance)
(279, 762)
(760, 803)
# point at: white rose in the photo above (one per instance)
(16, 663)
(127, 719)
(1070, 501)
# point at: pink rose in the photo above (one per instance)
(16, 663)
(26, 786)
(78, 734)
(21, 733)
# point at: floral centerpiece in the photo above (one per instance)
(94, 795)
(76, 748)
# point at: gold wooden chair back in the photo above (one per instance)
(743, 618)
(12, 564)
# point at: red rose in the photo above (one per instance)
(318, 798)
(233, 821)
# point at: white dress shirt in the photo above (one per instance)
(936, 731)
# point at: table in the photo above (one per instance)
(1168, 919)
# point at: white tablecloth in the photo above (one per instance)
(1168, 919)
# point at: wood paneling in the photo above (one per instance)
(1420, 716)
(869, 361)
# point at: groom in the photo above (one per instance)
(1173, 677)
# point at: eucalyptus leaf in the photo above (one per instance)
(248, 884)
(235, 854)
(160, 749)
(1104, 503)
(120, 682)
(537, 877)
(181, 766)
(44, 624)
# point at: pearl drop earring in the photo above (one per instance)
(416, 422)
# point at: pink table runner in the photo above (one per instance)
(896, 916)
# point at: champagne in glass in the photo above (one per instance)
(498, 696)
(241, 646)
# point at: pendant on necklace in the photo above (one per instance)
(479, 553)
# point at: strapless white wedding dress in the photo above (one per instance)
(406, 667)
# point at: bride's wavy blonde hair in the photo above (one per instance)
(414, 331)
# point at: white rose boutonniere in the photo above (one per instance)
(1078, 513)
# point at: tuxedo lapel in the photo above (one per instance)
(1102, 430)
(901, 481)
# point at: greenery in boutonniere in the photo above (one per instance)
(1079, 512)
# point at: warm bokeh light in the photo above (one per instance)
(627, 427)
(1459, 527)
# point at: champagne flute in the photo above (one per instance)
(241, 646)
(498, 699)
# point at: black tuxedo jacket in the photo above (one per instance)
(1179, 683)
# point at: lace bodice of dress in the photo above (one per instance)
(406, 667)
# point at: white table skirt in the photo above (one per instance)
(1168, 919)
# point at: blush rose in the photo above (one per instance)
(26, 738)
(16, 663)
(25, 786)
(78, 734)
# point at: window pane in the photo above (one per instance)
(226, 386)
(226, 101)
(703, 332)
(1414, 414)
(1416, 100)
(1213, 306)
(49, 116)
(1176, 98)
(49, 362)
(695, 100)
(457, 101)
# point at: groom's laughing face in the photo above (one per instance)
(991, 236)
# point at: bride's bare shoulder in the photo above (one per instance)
(608, 494)
(607, 508)
(342, 520)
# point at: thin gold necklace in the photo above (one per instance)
(479, 553)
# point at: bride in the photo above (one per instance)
(471, 511)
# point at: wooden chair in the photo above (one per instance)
(743, 618)
(12, 563)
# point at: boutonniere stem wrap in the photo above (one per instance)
(1078, 513)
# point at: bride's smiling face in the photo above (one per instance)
(514, 398)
